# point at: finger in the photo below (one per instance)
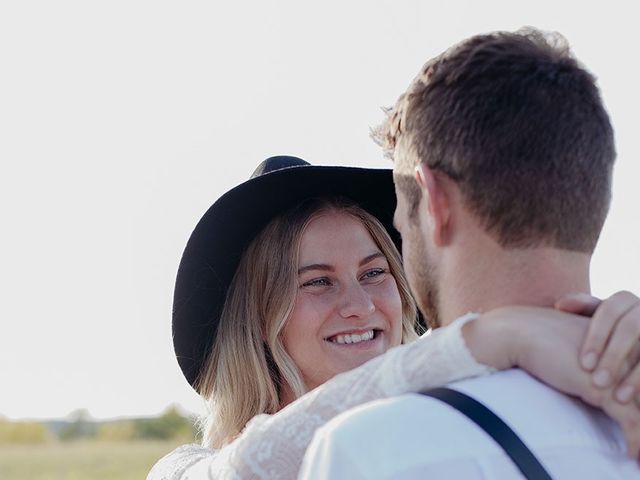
(620, 346)
(601, 326)
(629, 387)
(578, 303)
(631, 430)
(632, 438)
(628, 418)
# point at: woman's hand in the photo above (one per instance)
(547, 343)
(611, 349)
(542, 341)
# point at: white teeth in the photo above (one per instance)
(352, 337)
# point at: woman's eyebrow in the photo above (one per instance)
(371, 257)
(316, 266)
(328, 268)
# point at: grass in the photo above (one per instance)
(82, 460)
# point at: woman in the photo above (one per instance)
(291, 281)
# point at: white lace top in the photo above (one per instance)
(272, 446)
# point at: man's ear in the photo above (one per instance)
(437, 199)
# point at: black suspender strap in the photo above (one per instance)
(519, 453)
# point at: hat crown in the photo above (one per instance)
(278, 162)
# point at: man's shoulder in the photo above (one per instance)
(507, 391)
(515, 389)
(539, 412)
(530, 407)
(396, 433)
(413, 436)
(543, 416)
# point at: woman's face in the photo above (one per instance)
(347, 308)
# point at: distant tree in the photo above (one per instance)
(80, 426)
(171, 424)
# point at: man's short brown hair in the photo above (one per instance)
(519, 125)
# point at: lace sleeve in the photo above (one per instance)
(272, 446)
(173, 465)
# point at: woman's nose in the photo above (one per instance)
(356, 302)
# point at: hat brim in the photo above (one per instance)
(224, 232)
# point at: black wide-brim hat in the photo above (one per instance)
(220, 238)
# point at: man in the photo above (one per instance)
(503, 155)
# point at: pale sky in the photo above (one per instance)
(122, 121)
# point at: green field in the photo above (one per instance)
(82, 460)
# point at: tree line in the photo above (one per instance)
(170, 425)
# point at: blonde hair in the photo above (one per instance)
(248, 367)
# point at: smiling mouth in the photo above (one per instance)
(350, 338)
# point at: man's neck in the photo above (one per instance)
(479, 280)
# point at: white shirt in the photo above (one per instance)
(413, 436)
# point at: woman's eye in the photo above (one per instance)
(317, 282)
(376, 272)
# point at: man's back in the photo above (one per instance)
(413, 436)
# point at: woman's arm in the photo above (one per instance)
(272, 446)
